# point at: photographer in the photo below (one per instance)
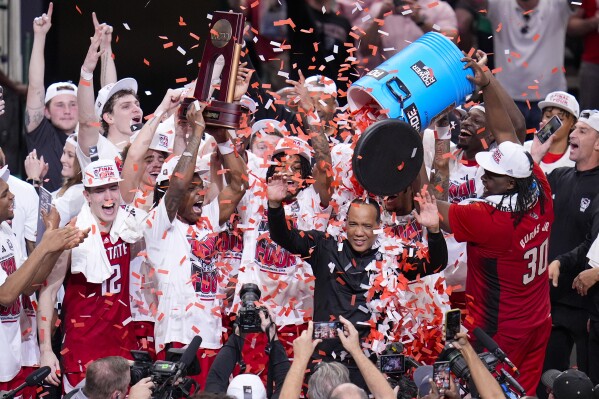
(109, 378)
(231, 353)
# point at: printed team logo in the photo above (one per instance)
(378, 74)
(424, 73)
(411, 114)
(10, 314)
(459, 191)
(203, 270)
(163, 140)
(584, 204)
(104, 172)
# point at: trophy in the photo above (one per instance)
(226, 35)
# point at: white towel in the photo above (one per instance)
(90, 256)
(593, 253)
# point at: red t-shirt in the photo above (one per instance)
(506, 284)
(93, 314)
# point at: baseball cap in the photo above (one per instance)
(268, 126)
(294, 145)
(563, 100)
(163, 137)
(56, 89)
(570, 384)
(110, 89)
(246, 386)
(508, 159)
(590, 117)
(320, 83)
(4, 173)
(421, 378)
(202, 166)
(100, 173)
(248, 103)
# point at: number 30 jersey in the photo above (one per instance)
(97, 316)
(506, 285)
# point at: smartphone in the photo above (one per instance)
(441, 374)
(550, 127)
(326, 329)
(453, 322)
(392, 364)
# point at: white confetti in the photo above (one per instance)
(414, 152)
(180, 49)
(189, 61)
(268, 103)
(209, 16)
(262, 58)
(148, 93)
(436, 27)
(335, 49)
(126, 26)
(283, 74)
(329, 58)
(377, 231)
(382, 32)
(324, 10)
(255, 39)
(389, 49)
(366, 18)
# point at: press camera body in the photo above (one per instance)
(248, 317)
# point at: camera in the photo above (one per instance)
(164, 373)
(248, 318)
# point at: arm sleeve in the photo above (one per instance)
(290, 238)
(280, 366)
(224, 363)
(437, 259)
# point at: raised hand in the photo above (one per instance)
(106, 40)
(48, 358)
(429, 214)
(303, 346)
(35, 167)
(94, 52)
(42, 24)
(194, 114)
(277, 189)
(169, 103)
(349, 337)
(480, 78)
(299, 90)
(242, 82)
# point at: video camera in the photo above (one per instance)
(459, 367)
(248, 318)
(165, 373)
(395, 364)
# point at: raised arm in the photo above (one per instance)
(230, 196)
(107, 65)
(578, 25)
(183, 173)
(132, 171)
(498, 118)
(36, 93)
(89, 128)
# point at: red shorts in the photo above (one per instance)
(205, 357)
(27, 392)
(526, 349)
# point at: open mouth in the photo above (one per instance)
(197, 207)
(573, 146)
(465, 134)
(109, 208)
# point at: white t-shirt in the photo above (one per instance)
(13, 320)
(106, 150)
(187, 305)
(283, 278)
(26, 210)
(69, 204)
(549, 167)
(534, 58)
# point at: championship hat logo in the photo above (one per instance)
(584, 204)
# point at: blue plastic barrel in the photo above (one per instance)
(418, 83)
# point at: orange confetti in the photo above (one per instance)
(536, 37)
(78, 9)
(167, 45)
(146, 62)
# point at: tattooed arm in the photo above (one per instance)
(183, 173)
(439, 179)
(35, 105)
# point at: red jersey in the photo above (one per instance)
(97, 317)
(506, 285)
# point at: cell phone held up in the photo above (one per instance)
(326, 329)
(441, 374)
(453, 323)
(549, 129)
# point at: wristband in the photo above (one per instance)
(86, 75)
(226, 147)
(442, 133)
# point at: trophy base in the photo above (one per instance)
(223, 114)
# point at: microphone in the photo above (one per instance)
(189, 355)
(31, 380)
(512, 381)
(494, 348)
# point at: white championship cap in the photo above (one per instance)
(108, 91)
(321, 83)
(202, 167)
(246, 386)
(100, 173)
(56, 89)
(590, 117)
(163, 137)
(294, 145)
(563, 100)
(508, 159)
(268, 126)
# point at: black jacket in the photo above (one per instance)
(218, 377)
(347, 280)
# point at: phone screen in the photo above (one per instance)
(392, 364)
(326, 329)
(452, 324)
(441, 374)
(550, 128)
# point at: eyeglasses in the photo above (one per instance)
(525, 28)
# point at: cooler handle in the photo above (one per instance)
(401, 87)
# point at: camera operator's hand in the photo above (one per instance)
(303, 346)
(142, 390)
(349, 337)
(268, 325)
